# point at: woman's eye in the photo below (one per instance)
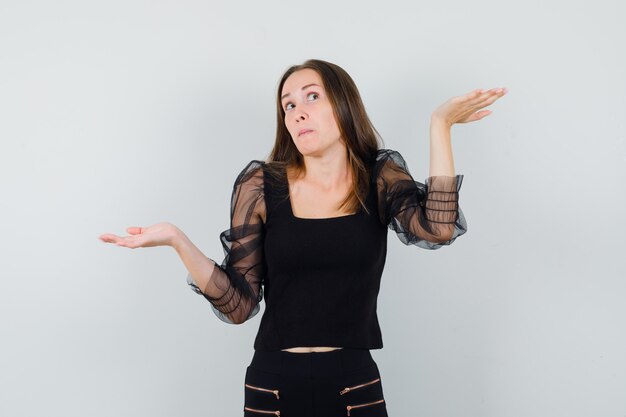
(308, 95)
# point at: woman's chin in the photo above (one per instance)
(307, 148)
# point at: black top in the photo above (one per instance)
(321, 276)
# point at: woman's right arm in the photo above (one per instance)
(234, 288)
(199, 266)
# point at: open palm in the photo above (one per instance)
(467, 108)
(159, 234)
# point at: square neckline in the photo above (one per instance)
(293, 216)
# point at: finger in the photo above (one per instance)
(129, 242)
(483, 113)
(476, 116)
(108, 238)
(474, 94)
(499, 92)
(496, 92)
(134, 230)
(487, 98)
(492, 98)
(483, 96)
(473, 98)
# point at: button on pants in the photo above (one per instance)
(342, 382)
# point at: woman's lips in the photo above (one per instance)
(305, 132)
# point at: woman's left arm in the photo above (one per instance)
(461, 109)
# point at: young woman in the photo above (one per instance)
(309, 233)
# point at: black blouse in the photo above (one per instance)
(320, 277)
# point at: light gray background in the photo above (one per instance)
(125, 113)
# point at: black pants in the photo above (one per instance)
(342, 382)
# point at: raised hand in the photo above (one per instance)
(160, 234)
(466, 108)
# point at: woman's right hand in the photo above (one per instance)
(160, 234)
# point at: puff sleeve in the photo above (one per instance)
(239, 278)
(425, 215)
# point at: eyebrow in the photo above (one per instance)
(306, 86)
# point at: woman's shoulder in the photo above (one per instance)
(253, 170)
(390, 158)
(384, 154)
(268, 177)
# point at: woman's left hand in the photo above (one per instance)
(465, 108)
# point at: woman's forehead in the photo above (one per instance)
(301, 78)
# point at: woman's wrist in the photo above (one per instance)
(439, 122)
(177, 238)
(441, 159)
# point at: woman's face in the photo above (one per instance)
(309, 115)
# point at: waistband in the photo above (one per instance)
(312, 364)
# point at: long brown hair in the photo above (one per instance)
(361, 138)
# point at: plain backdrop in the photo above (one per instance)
(128, 113)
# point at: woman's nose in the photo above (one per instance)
(301, 115)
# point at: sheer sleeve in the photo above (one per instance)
(240, 276)
(425, 215)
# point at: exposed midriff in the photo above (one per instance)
(311, 349)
